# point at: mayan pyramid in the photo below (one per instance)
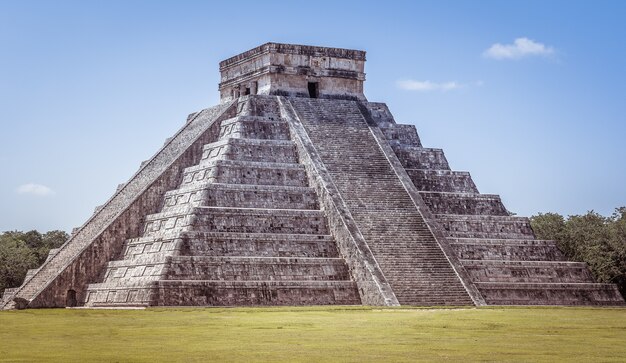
(296, 190)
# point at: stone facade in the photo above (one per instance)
(296, 190)
(295, 71)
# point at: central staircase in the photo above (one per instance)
(407, 252)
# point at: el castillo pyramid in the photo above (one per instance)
(296, 190)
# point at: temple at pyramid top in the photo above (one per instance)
(294, 70)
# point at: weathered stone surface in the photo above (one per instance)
(278, 198)
(395, 231)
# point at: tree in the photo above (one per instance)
(15, 260)
(592, 238)
(21, 251)
(549, 226)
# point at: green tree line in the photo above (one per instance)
(592, 238)
(21, 251)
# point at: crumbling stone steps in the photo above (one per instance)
(242, 196)
(508, 293)
(518, 250)
(464, 203)
(500, 227)
(428, 180)
(257, 244)
(254, 127)
(527, 271)
(246, 220)
(246, 172)
(379, 204)
(277, 151)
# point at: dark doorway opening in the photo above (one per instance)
(70, 301)
(314, 90)
(247, 92)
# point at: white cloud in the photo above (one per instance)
(521, 47)
(426, 86)
(35, 189)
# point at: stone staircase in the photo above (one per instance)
(499, 251)
(394, 229)
(243, 228)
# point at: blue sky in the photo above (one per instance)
(90, 89)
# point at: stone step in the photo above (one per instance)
(498, 227)
(246, 172)
(242, 196)
(257, 244)
(226, 268)
(250, 220)
(380, 114)
(507, 293)
(244, 220)
(527, 271)
(168, 224)
(399, 134)
(137, 271)
(490, 249)
(277, 151)
(429, 180)
(263, 106)
(464, 203)
(151, 245)
(413, 157)
(257, 268)
(112, 295)
(227, 293)
(254, 127)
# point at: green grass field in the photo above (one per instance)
(357, 334)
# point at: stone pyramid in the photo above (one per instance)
(296, 190)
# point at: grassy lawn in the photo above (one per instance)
(357, 334)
